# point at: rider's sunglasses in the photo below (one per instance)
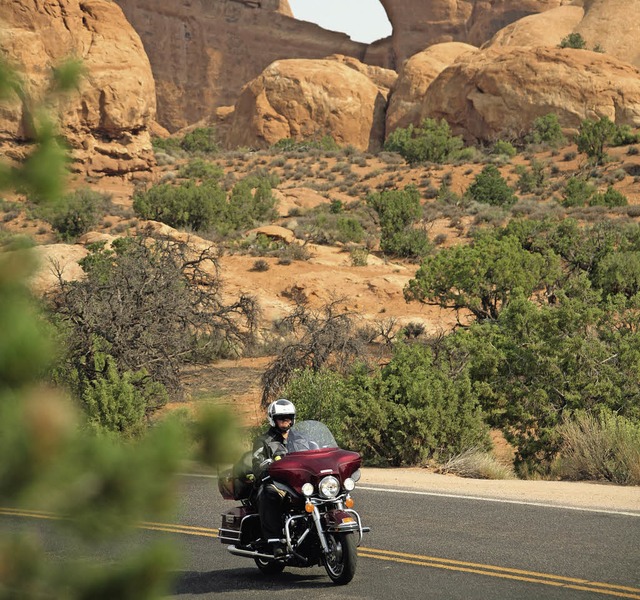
(284, 418)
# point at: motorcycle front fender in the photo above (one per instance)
(344, 521)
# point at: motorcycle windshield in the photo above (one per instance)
(310, 435)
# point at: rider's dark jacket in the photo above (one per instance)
(272, 444)
(268, 445)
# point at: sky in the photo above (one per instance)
(362, 20)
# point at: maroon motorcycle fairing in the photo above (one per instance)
(311, 466)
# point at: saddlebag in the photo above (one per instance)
(236, 483)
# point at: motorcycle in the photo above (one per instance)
(320, 526)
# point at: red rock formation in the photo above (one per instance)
(417, 25)
(106, 120)
(202, 52)
(302, 99)
(406, 105)
(499, 92)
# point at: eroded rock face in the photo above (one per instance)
(203, 52)
(303, 99)
(417, 25)
(611, 25)
(545, 29)
(406, 105)
(106, 120)
(498, 93)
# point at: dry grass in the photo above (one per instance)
(605, 448)
(477, 464)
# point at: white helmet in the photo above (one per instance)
(281, 407)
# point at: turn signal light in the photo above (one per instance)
(308, 507)
(349, 502)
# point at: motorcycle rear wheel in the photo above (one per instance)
(341, 561)
(269, 567)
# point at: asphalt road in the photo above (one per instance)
(420, 546)
(432, 547)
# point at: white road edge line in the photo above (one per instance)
(465, 497)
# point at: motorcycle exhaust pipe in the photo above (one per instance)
(249, 553)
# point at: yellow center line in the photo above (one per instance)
(402, 557)
(503, 573)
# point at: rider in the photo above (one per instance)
(273, 445)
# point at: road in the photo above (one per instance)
(436, 547)
(422, 545)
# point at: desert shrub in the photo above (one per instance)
(475, 463)
(623, 136)
(201, 140)
(183, 205)
(322, 337)
(325, 143)
(577, 192)
(398, 211)
(610, 198)
(618, 272)
(504, 148)
(205, 206)
(533, 180)
(260, 266)
(593, 136)
(76, 213)
(406, 413)
(546, 130)
(489, 187)
(349, 229)
(482, 277)
(120, 403)
(149, 306)
(573, 40)
(359, 257)
(603, 447)
(432, 141)
(198, 168)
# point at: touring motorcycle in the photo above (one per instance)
(320, 526)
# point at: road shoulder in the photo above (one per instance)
(585, 495)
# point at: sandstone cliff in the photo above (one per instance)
(303, 99)
(202, 52)
(499, 92)
(106, 120)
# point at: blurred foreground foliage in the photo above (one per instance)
(55, 475)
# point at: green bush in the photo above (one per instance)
(76, 213)
(398, 212)
(546, 130)
(611, 198)
(325, 143)
(489, 187)
(201, 140)
(185, 205)
(577, 192)
(504, 148)
(573, 40)
(199, 168)
(410, 411)
(349, 230)
(594, 136)
(120, 403)
(430, 142)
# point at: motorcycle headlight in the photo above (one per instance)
(349, 484)
(329, 487)
(307, 489)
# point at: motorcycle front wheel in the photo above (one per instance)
(340, 562)
(269, 567)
